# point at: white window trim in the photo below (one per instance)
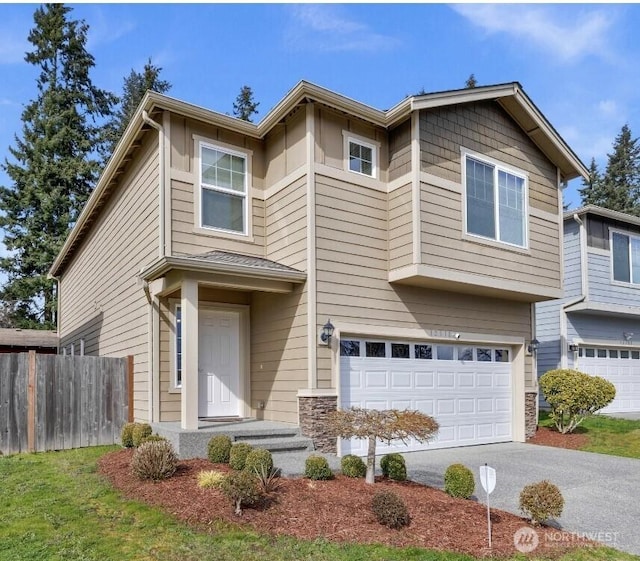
(630, 235)
(498, 166)
(349, 137)
(199, 143)
(173, 360)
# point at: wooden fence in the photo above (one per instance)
(55, 402)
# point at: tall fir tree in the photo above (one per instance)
(619, 187)
(135, 86)
(471, 82)
(55, 163)
(245, 106)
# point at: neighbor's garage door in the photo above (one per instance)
(621, 367)
(467, 389)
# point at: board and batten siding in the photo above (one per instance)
(400, 227)
(279, 346)
(101, 299)
(353, 287)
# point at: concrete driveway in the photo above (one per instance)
(602, 493)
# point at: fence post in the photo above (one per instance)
(130, 385)
(31, 403)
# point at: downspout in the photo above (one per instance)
(161, 253)
(584, 289)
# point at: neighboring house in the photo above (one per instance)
(214, 251)
(595, 327)
(14, 340)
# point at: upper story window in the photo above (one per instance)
(223, 189)
(495, 201)
(361, 156)
(625, 253)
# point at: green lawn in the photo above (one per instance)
(54, 506)
(607, 435)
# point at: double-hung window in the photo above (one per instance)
(625, 254)
(223, 189)
(495, 201)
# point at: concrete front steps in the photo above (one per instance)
(278, 438)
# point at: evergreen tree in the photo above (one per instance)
(592, 191)
(471, 82)
(55, 163)
(245, 106)
(622, 177)
(133, 90)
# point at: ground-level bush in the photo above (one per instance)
(238, 454)
(390, 510)
(353, 466)
(394, 467)
(540, 501)
(218, 449)
(242, 488)
(140, 432)
(258, 461)
(126, 435)
(317, 468)
(574, 395)
(210, 479)
(458, 481)
(154, 460)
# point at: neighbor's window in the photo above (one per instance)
(626, 258)
(362, 157)
(177, 358)
(223, 181)
(495, 202)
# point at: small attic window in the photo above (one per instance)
(361, 156)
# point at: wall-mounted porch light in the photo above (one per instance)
(628, 336)
(327, 333)
(533, 346)
(573, 348)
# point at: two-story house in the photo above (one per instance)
(330, 255)
(595, 327)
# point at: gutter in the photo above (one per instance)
(161, 179)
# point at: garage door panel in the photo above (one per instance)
(470, 400)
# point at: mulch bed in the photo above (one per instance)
(338, 510)
(551, 437)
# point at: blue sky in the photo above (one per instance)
(578, 62)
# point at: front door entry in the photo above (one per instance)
(219, 363)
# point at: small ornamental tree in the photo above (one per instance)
(573, 396)
(384, 425)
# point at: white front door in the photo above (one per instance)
(219, 363)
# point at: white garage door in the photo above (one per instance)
(467, 389)
(621, 367)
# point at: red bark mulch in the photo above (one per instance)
(551, 437)
(338, 510)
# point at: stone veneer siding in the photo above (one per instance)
(313, 413)
(530, 414)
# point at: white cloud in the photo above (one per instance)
(104, 30)
(323, 27)
(608, 108)
(565, 34)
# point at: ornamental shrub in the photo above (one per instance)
(140, 432)
(390, 510)
(241, 487)
(219, 448)
(458, 481)
(126, 435)
(574, 395)
(317, 468)
(153, 438)
(353, 466)
(394, 467)
(210, 479)
(540, 501)
(154, 460)
(258, 461)
(238, 454)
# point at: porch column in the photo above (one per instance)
(189, 396)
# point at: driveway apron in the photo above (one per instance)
(601, 493)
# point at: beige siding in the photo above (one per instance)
(400, 227)
(101, 300)
(353, 287)
(400, 150)
(443, 244)
(285, 148)
(485, 128)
